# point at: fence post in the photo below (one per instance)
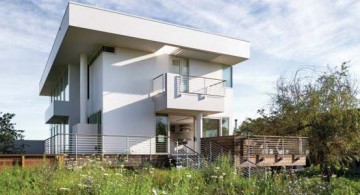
(210, 151)
(127, 145)
(177, 153)
(187, 158)
(151, 146)
(22, 161)
(76, 144)
(102, 144)
(283, 148)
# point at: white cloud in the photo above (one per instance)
(284, 35)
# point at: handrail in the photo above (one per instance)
(158, 76)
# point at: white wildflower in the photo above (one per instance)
(64, 189)
(154, 191)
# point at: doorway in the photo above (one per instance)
(182, 130)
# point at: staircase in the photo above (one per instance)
(182, 156)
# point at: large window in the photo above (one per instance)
(227, 76)
(211, 127)
(61, 89)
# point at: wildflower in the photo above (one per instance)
(214, 176)
(106, 174)
(221, 177)
(154, 191)
(223, 174)
(188, 175)
(122, 166)
(82, 186)
(196, 188)
(217, 168)
(64, 189)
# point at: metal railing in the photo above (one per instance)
(191, 85)
(201, 85)
(159, 84)
(184, 156)
(105, 144)
(213, 151)
(275, 145)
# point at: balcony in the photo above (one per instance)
(57, 112)
(173, 92)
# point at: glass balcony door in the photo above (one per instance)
(181, 67)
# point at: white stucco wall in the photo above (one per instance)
(128, 108)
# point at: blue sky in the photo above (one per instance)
(284, 36)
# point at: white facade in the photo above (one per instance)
(146, 69)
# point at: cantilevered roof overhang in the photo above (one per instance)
(84, 29)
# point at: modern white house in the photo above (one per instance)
(121, 83)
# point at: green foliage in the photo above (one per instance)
(322, 106)
(8, 134)
(219, 179)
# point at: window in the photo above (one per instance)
(161, 133)
(211, 127)
(227, 76)
(225, 126)
(181, 67)
(61, 89)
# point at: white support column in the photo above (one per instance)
(83, 88)
(199, 130)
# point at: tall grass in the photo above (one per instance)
(219, 178)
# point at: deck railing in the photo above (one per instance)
(104, 144)
(190, 84)
(275, 145)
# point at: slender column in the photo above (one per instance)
(83, 88)
(199, 130)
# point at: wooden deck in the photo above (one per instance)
(267, 151)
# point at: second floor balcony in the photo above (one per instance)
(173, 92)
(57, 112)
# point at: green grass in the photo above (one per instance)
(219, 178)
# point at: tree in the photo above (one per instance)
(322, 106)
(8, 134)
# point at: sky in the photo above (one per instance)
(284, 36)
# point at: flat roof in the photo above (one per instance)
(85, 28)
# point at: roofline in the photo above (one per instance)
(154, 20)
(52, 47)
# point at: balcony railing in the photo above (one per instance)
(191, 85)
(102, 144)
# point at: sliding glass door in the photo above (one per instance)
(161, 134)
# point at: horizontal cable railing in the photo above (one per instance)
(158, 84)
(276, 145)
(105, 144)
(201, 85)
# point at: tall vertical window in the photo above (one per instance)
(181, 67)
(225, 126)
(227, 76)
(161, 133)
(61, 89)
(211, 127)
